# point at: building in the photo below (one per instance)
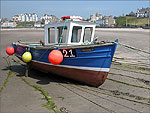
(109, 21)
(38, 24)
(8, 24)
(102, 21)
(48, 19)
(131, 14)
(2, 20)
(95, 17)
(25, 17)
(144, 12)
(34, 17)
(15, 18)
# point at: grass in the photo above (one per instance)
(134, 21)
(6, 81)
(128, 84)
(23, 24)
(50, 105)
(133, 67)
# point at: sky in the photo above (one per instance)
(60, 8)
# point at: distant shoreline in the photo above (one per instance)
(102, 29)
(124, 29)
(16, 29)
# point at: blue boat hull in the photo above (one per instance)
(90, 65)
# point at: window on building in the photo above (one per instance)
(87, 34)
(62, 31)
(76, 34)
(51, 35)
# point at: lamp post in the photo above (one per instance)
(126, 21)
(148, 15)
(148, 21)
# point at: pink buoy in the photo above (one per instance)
(55, 57)
(10, 50)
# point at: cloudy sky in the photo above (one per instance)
(60, 8)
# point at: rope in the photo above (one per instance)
(134, 48)
(60, 40)
(130, 48)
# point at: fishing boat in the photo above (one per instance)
(69, 50)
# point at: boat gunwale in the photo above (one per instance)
(65, 46)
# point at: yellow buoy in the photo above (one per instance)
(27, 57)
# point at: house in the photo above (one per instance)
(2, 20)
(38, 24)
(102, 21)
(109, 21)
(48, 19)
(144, 12)
(15, 18)
(95, 17)
(131, 14)
(27, 17)
(8, 24)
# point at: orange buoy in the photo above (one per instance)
(55, 57)
(10, 50)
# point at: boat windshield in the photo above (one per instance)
(62, 31)
(76, 34)
(87, 34)
(51, 35)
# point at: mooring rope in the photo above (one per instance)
(134, 48)
(130, 48)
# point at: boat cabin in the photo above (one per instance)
(69, 32)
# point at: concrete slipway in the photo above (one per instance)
(127, 88)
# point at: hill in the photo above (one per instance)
(131, 21)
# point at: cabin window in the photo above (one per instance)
(62, 31)
(51, 35)
(87, 34)
(76, 34)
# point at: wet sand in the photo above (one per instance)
(127, 88)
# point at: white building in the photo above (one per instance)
(102, 21)
(38, 24)
(95, 17)
(15, 18)
(144, 12)
(46, 19)
(34, 17)
(25, 17)
(8, 24)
